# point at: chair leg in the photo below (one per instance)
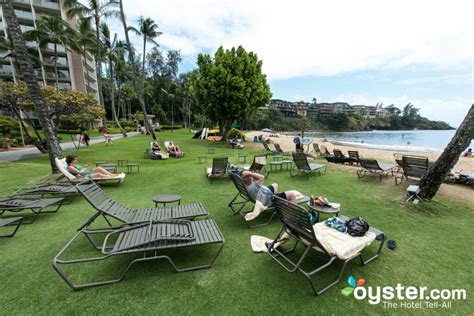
(17, 226)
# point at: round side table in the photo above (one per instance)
(324, 210)
(166, 198)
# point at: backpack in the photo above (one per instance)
(296, 140)
(357, 226)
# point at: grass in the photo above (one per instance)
(434, 247)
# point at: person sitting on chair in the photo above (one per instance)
(157, 153)
(174, 150)
(84, 171)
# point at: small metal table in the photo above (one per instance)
(242, 158)
(201, 158)
(166, 198)
(122, 162)
(282, 163)
(131, 165)
(98, 163)
(324, 210)
(110, 167)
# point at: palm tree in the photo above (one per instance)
(26, 71)
(53, 29)
(149, 30)
(135, 81)
(112, 49)
(123, 74)
(95, 10)
(86, 42)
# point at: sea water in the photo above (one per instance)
(428, 139)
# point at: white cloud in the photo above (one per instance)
(296, 38)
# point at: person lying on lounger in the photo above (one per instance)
(174, 150)
(84, 171)
(157, 152)
(259, 191)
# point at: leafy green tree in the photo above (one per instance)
(53, 29)
(231, 86)
(26, 71)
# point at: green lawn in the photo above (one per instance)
(434, 247)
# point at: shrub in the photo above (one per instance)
(235, 133)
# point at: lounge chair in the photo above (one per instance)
(267, 150)
(218, 169)
(11, 221)
(110, 209)
(62, 166)
(56, 189)
(297, 224)
(412, 167)
(258, 165)
(325, 151)
(152, 241)
(242, 198)
(316, 149)
(354, 155)
(280, 151)
(374, 167)
(35, 205)
(303, 166)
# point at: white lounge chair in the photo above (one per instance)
(62, 166)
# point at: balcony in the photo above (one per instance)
(49, 61)
(50, 48)
(46, 4)
(24, 15)
(62, 76)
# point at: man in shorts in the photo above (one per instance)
(260, 192)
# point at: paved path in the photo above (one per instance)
(33, 151)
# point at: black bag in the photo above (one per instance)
(357, 226)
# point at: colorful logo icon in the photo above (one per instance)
(352, 285)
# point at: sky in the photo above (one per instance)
(360, 52)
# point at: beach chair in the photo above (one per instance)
(298, 226)
(218, 169)
(52, 189)
(354, 155)
(10, 221)
(243, 198)
(36, 205)
(316, 149)
(303, 166)
(258, 165)
(412, 167)
(325, 151)
(280, 151)
(111, 210)
(338, 155)
(146, 242)
(62, 166)
(372, 166)
(267, 150)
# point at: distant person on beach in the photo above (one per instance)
(468, 153)
(408, 142)
(86, 138)
(297, 141)
(108, 139)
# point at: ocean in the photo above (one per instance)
(427, 139)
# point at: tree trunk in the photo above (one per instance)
(56, 64)
(431, 181)
(112, 99)
(26, 70)
(98, 65)
(131, 58)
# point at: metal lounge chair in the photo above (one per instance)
(267, 150)
(316, 149)
(354, 155)
(150, 240)
(258, 165)
(56, 189)
(325, 151)
(110, 209)
(343, 158)
(297, 224)
(280, 151)
(372, 166)
(62, 166)
(35, 205)
(412, 167)
(218, 169)
(303, 166)
(11, 221)
(242, 198)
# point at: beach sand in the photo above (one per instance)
(455, 191)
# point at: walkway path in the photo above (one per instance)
(33, 151)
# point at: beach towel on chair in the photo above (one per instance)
(263, 202)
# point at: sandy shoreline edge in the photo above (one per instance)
(386, 155)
